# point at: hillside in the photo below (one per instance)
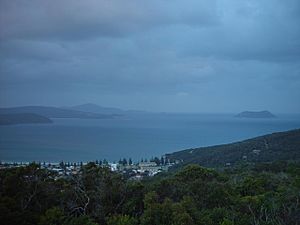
(93, 108)
(54, 112)
(22, 118)
(252, 114)
(276, 146)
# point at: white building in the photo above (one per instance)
(149, 166)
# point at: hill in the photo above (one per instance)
(54, 112)
(252, 114)
(267, 148)
(93, 108)
(22, 118)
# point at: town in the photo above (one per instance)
(129, 169)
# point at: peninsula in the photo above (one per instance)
(23, 118)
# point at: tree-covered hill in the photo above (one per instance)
(194, 195)
(267, 148)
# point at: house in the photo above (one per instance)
(150, 167)
(256, 151)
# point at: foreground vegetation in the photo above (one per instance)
(265, 193)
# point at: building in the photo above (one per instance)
(150, 167)
(256, 151)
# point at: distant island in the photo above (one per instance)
(93, 108)
(255, 114)
(55, 112)
(23, 118)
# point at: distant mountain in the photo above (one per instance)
(89, 107)
(54, 112)
(252, 114)
(93, 108)
(276, 146)
(22, 118)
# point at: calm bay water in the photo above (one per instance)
(137, 136)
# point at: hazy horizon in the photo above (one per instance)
(157, 110)
(160, 56)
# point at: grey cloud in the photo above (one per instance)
(32, 50)
(72, 20)
(251, 30)
(158, 55)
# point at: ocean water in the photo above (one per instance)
(135, 136)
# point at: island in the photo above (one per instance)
(23, 118)
(255, 114)
(55, 112)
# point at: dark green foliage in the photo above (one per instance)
(53, 216)
(133, 199)
(82, 220)
(97, 192)
(246, 195)
(122, 220)
(268, 148)
(27, 192)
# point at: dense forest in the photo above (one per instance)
(267, 148)
(257, 194)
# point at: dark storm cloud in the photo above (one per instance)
(74, 20)
(252, 30)
(32, 50)
(167, 55)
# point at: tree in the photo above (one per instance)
(162, 161)
(156, 213)
(82, 220)
(105, 162)
(133, 204)
(181, 216)
(193, 195)
(122, 220)
(156, 160)
(53, 216)
(124, 162)
(62, 165)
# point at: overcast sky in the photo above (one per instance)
(158, 55)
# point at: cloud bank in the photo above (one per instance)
(160, 55)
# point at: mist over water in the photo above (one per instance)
(136, 136)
